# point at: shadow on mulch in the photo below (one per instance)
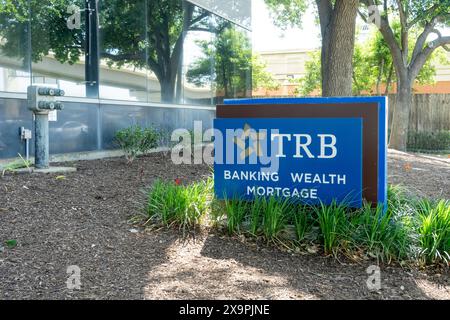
(323, 277)
(83, 219)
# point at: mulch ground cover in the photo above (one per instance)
(83, 219)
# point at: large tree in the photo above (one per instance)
(373, 68)
(428, 15)
(143, 33)
(337, 23)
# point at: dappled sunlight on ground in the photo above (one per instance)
(434, 290)
(188, 274)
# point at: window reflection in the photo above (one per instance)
(147, 50)
(14, 47)
(225, 62)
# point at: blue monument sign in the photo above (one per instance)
(307, 150)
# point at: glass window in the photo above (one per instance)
(59, 45)
(165, 51)
(124, 50)
(14, 47)
(173, 29)
(225, 63)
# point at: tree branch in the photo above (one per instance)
(404, 31)
(198, 19)
(120, 57)
(423, 56)
(425, 13)
(155, 67)
(199, 29)
(420, 43)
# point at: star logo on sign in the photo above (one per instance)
(254, 137)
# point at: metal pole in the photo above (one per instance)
(41, 141)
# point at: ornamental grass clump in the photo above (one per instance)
(301, 220)
(332, 221)
(236, 211)
(275, 216)
(434, 231)
(374, 232)
(185, 206)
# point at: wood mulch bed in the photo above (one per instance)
(83, 219)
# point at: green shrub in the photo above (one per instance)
(301, 221)
(429, 141)
(275, 217)
(409, 230)
(434, 230)
(376, 233)
(135, 140)
(331, 220)
(236, 211)
(257, 208)
(185, 206)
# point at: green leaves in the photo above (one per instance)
(434, 230)
(408, 232)
(287, 13)
(373, 68)
(11, 244)
(232, 61)
(135, 140)
(331, 220)
(185, 206)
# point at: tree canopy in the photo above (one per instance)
(373, 68)
(425, 18)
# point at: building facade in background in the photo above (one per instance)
(289, 65)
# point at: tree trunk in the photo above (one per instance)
(400, 121)
(167, 90)
(338, 35)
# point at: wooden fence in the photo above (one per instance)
(429, 112)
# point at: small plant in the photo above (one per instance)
(257, 208)
(236, 210)
(434, 230)
(331, 220)
(276, 213)
(135, 140)
(300, 219)
(375, 232)
(185, 206)
(11, 244)
(21, 163)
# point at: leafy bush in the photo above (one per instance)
(434, 230)
(376, 233)
(276, 213)
(429, 141)
(185, 206)
(410, 230)
(135, 140)
(331, 220)
(301, 221)
(236, 210)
